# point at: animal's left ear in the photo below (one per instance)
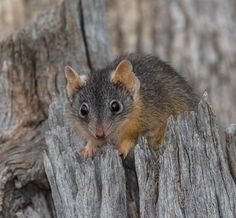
(125, 77)
(75, 81)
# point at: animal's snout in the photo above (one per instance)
(100, 133)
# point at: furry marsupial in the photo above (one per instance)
(132, 95)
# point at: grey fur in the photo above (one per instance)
(162, 90)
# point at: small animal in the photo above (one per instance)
(130, 96)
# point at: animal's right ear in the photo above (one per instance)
(75, 81)
(124, 76)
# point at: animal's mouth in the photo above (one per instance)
(100, 131)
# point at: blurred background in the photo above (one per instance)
(197, 37)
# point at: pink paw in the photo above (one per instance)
(88, 150)
(124, 148)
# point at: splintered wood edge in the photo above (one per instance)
(158, 174)
(230, 137)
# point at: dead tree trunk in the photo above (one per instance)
(192, 175)
(32, 63)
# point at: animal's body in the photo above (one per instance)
(130, 96)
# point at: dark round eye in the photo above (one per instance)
(116, 106)
(84, 110)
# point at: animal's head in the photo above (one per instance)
(103, 101)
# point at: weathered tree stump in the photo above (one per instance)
(193, 174)
(189, 177)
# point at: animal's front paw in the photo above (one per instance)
(124, 147)
(89, 150)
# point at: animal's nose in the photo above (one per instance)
(100, 134)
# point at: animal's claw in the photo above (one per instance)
(89, 150)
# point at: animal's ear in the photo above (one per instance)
(125, 77)
(75, 81)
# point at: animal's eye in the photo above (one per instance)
(116, 106)
(84, 110)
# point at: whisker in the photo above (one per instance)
(91, 131)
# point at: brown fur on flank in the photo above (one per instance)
(147, 91)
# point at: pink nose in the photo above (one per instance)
(100, 134)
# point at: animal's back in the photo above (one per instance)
(163, 91)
